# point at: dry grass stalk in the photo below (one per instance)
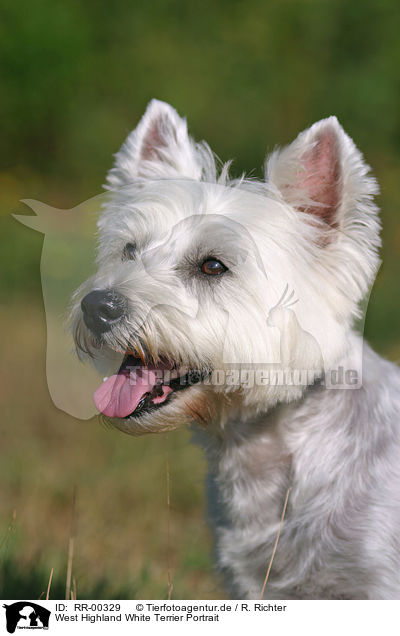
(49, 584)
(275, 545)
(170, 584)
(71, 548)
(73, 591)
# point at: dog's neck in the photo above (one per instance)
(263, 454)
(247, 455)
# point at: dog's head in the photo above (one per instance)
(202, 278)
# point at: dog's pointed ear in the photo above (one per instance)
(158, 147)
(322, 173)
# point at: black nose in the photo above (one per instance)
(102, 309)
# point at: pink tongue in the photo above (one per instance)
(120, 394)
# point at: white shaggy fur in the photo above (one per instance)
(301, 253)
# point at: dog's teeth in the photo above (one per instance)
(104, 379)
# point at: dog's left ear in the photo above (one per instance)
(323, 174)
(159, 147)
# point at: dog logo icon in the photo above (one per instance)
(26, 615)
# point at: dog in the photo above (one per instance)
(233, 306)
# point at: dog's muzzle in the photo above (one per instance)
(102, 309)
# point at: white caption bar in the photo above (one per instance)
(174, 617)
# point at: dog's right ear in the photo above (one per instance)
(159, 147)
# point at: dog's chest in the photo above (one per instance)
(248, 477)
(247, 483)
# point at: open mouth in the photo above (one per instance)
(137, 388)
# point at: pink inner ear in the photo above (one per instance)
(320, 177)
(153, 140)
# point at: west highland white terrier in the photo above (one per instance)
(233, 307)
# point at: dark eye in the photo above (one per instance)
(129, 252)
(212, 267)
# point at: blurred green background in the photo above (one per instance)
(75, 78)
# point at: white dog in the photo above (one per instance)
(232, 304)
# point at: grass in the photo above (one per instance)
(127, 542)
